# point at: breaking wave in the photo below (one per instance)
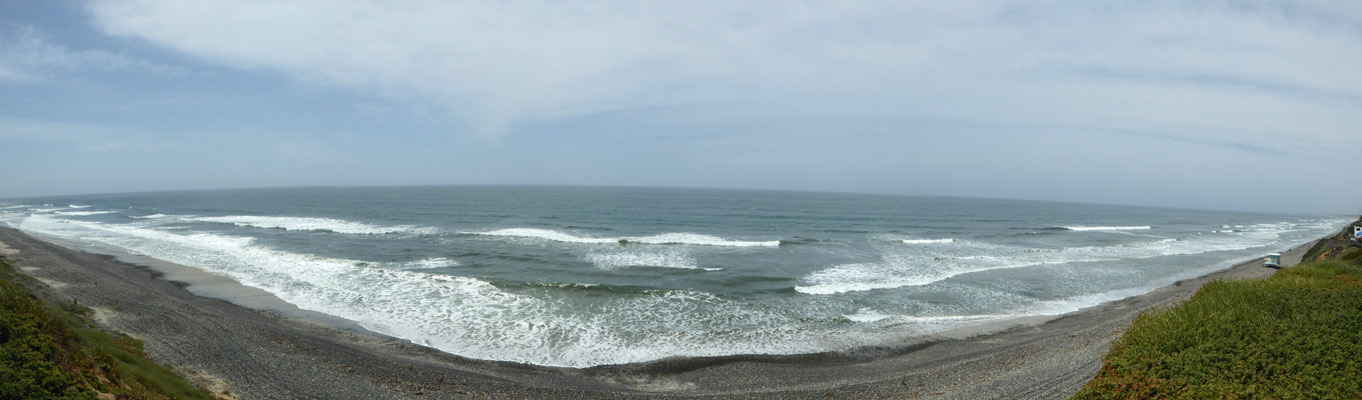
(923, 265)
(667, 259)
(313, 224)
(1105, 228)
(152, 216)
(661, 239)
(473, 317)
(84, 213)
(928, 241)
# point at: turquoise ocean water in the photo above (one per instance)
(583, 276)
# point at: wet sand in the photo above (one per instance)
(258, 347)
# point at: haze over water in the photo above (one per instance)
(583, 276)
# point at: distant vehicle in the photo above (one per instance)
(1274, 260)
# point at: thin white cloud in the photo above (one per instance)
(21, 52)
(26, 56)
(1157, 66)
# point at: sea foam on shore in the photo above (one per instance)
(590, 276)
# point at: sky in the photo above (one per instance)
(1232, 105)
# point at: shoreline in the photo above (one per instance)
(264, 350)
(214, 286)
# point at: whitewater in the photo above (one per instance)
(581, 276)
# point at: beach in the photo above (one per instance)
(269, 350)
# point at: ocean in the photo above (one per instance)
(585, 276)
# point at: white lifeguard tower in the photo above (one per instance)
(1273, 261)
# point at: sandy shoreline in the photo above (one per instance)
(271, 350)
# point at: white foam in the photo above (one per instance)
(956, 318)
(314, 224)
(13, 207)
(923, 324)
(76, 206)
(1079, 302)
(918, 266)
(84, 213)
(475, 318)
(428, 263)
(928, 241)
(152, 216)
(545, 234)
(698, 239)
(564, 285)
(861, 277)
(866, 315)
(662, 259)
(471, 317)
(1107, 228)
(681, 238)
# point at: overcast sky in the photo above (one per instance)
(1238, 105)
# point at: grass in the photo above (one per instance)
(55, 352)
(1296, 334)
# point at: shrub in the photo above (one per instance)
(55, 353)
(1293, 335)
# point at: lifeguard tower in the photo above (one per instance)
(1273, 261)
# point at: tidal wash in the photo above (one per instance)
(579, 276)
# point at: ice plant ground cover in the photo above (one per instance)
(1293, 335)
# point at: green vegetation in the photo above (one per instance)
(1296, 334)
(49, 352)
